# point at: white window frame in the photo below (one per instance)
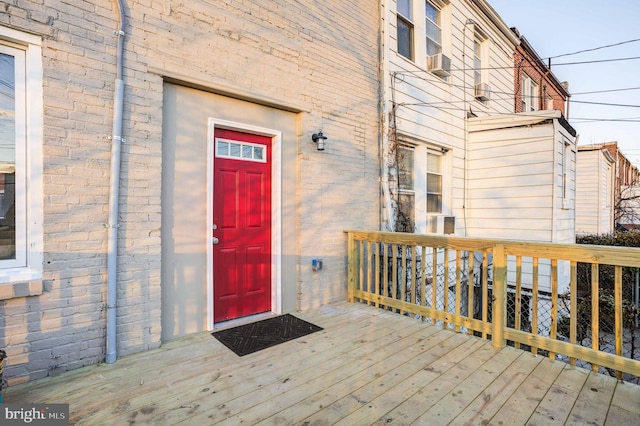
(423, 218)
(26, 270)
(406, 176)
(529, 93)
(480, 57)
(408, 22)
(437, 23)
(549, 102)
(567, 160)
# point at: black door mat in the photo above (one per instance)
(250, 338)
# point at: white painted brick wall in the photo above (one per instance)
(322, 55)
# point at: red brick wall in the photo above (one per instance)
(523, 63)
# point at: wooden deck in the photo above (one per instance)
(367, 366)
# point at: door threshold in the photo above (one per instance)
(244, 320)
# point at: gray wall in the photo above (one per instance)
(184, 200)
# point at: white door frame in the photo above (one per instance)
(276, 212)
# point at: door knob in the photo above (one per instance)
(215, 240)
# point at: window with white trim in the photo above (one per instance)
(405, 29)
(549, 102)
(434, 183)
(477, 60)
(567, 172)
(437, 192)
(406, 188)
(529, 94)
(20, 157)
(424, 188)
(433, 28)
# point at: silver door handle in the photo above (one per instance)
(215, 240)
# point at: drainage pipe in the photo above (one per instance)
(114, 192)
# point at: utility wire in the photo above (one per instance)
(511, 95)
(605, 91)
(597, 61)
(606, 104)
(595, 48)
(509, 67)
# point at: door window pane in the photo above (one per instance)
(258, 153)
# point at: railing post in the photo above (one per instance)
(352, 259)
(499, 305)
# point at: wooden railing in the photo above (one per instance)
(464, 284)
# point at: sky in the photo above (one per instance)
(557, 27)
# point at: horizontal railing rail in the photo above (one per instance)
(561, 300)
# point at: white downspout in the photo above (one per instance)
(114, 192)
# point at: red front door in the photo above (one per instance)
(242, 225)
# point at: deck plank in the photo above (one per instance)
(324, 370)
(343, 388)
(560, 398)
(352, 373)
(368, 366)
(448, 408)
(594, 400)
(493, 397)
(384, 393)
(237, 376)
(626, 397)
(452, 372)
(523, 402)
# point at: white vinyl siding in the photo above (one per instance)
(594, 193)
(432, 111)
(515, 181)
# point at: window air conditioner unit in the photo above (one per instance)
(439, 65)
(482, 92)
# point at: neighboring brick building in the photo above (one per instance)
(205, 84)
(536, 88)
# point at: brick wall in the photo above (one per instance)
(319, 54)
(525, 63)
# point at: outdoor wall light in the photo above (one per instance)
(319, 139)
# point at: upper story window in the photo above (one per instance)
(477, 61)
(549, 102)
(405, 29)
(434, 29)
(482, 91)
(20, 156)
(529, 94)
